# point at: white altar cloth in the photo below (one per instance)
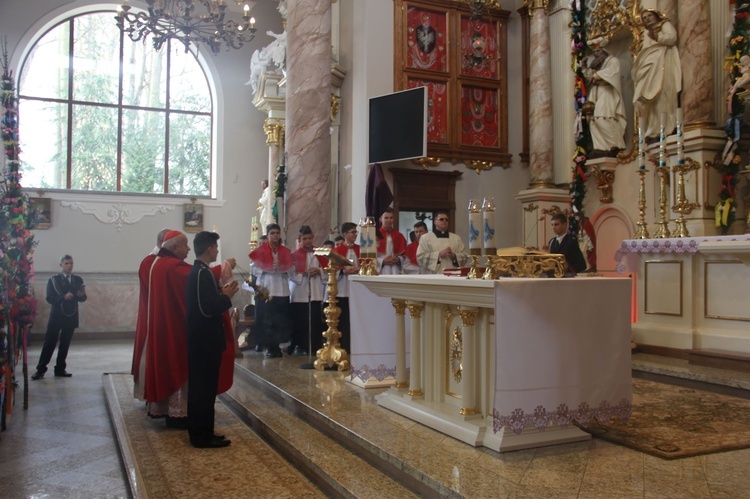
(630, 247)
(562, 352)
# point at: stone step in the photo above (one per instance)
(720, 359)
(332, 463)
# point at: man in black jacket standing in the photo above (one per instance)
(205, 303)
(64, 291)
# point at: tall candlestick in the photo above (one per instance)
(662, 143)
(254, 230)
(488, 219)
(641, 143)
(680, 138)
(475, 228)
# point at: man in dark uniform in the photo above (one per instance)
(205, 304)
(64, 291)
(566, 244)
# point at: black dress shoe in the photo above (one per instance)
(258, 347)
(290, 349)
(220, 437)
(37, 375)
(272, 354)
(63, 374)
(214, 443)
(299, 351)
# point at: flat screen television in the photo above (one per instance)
(398, 126)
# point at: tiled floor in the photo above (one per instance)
(63, 446)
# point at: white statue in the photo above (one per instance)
(270, 57)
(657, 74)
(265, 206)
(608, 122)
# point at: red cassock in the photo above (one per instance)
(399, 242)
(300, 260)
(140, 327)
(166, 330)
(411, 252)
(343, 250)
(262, 257)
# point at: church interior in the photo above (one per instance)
(623, 115)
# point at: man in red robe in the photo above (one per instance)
(165, 343)
(410, 264)
(391, 245)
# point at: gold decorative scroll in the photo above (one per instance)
(456, 354)
(275, 132)
(399, 305)
(522, 262)
(335, 105)
(415, 310)
(428, 162)
(479, 166)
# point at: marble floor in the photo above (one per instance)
(64, 446)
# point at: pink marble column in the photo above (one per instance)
(308, 104)
(694, 38)
(669, 9)
(540, 98)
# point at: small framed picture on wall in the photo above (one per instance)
(40, 213)
(193, 217)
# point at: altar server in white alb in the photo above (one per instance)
(307, 295)
(440, 249)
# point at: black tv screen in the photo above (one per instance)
(398, 126)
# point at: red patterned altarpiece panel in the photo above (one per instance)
(437, 109)
(426, 45)
(479, 117)
(480, 38)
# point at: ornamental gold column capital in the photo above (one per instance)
(399, 305)
(468, 317)
(275, 131)
(533, 5)
(415, 310)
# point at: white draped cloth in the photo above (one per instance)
(657, 75)
(608, 123)
(430, 246)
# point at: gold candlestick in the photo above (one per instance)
(682, 205)
(662, 226)
(332, 354)
(642, 230)
(474, 272)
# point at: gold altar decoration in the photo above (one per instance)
(474, 270)
(642, 231)
(523, 262)
(427, 162)
(335, 105)
(332, 354)
(456, 354)
(604, 182)
(682, 205)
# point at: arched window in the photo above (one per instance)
(98, 112)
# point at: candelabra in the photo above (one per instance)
(642, 230)
(662, 226)
(682, 205)
(332, 354)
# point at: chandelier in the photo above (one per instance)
(178, 20)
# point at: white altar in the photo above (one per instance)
(691, 292)
(512, 363)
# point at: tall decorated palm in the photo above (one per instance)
(17, 302)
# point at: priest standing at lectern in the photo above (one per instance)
(439, 250)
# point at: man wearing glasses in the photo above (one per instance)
(440, 249)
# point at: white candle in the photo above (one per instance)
(488, 219)
(641, 143)
(475, 228)
(680, 138)
(254, 230)
(662, 143)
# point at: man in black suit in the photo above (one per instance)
(64, 291)
(205, 304)
(566, 244)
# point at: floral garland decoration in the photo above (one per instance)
(725, 211)
(17, 302)
(582, 133)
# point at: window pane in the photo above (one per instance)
(45, 73)
(189, 154)
(43, 135)
(188, 86)
(143, 151)
(94, 163)
(144, 75)
(96, 63)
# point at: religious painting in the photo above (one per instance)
(479, 48)
(479, 116)
(193, 217)
(437, 108)
(427, 42)
(40, 213)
